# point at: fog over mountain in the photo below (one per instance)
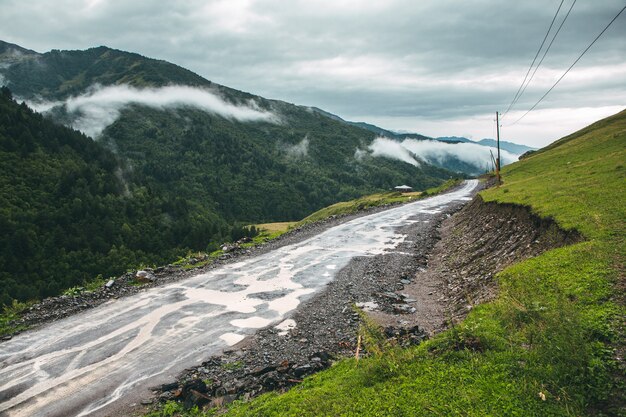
(98, 107)
(439, 153)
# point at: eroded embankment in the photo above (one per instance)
(482, 240)
(475, 244)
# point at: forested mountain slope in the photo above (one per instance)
(178, 164)
(279, 167)
(67, 214)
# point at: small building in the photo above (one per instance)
(403, 189)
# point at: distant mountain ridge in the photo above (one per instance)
(509, 146)
(458, 160)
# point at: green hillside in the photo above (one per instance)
(243, 170)
(548, 343)
(67, 214)
(177, 179)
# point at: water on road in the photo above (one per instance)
(83, 364)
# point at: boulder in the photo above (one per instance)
(144, 276)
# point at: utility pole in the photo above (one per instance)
(498, 144)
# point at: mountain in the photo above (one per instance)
(372, 128)
(511, 147)
(367, 126)
(187, 162)
(454, 139)
(507, 146)
(67, 214)
(467, 160)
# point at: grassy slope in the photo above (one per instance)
(545, 346)
(373, 200)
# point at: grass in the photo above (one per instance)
(280, 227)
(9, 314)
(545, 346)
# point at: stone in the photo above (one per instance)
(166, 396)
(143, 276)
(260, 370)
(403, 309)
(322, 355)
(302, 370)
(169, 387)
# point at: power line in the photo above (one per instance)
(517, 95)
(571, 66)
(547, 49)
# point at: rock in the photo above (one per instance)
(302, 370)
(143, 276)
(403, 309)
(169, 387)
(391, 296)
(194, 398)
(146, 402)
(324, 357)
(283, 367)
(260, 370)
(166, 396)
(271, 380)
(195, 392)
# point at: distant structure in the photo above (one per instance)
(403, 189)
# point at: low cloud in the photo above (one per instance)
(435, 151)
(411, 151)
(359, 154)
(98, 108)
(300, 149)
(392, 149)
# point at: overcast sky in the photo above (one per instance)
(436, 67)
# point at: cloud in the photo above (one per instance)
(411, 150)
(300, 149)
(392, 149)
(98, 108)
(435, 151)
(359, 59)
(359, 154)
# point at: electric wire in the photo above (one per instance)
(547, 49)
(534, 59)
(571, 66)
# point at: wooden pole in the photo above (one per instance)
(498, 144)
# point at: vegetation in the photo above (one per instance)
(67, 213)
(373, 200)
(545, 346)
(158, 184)
(10, 313)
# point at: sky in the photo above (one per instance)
(435, 67)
